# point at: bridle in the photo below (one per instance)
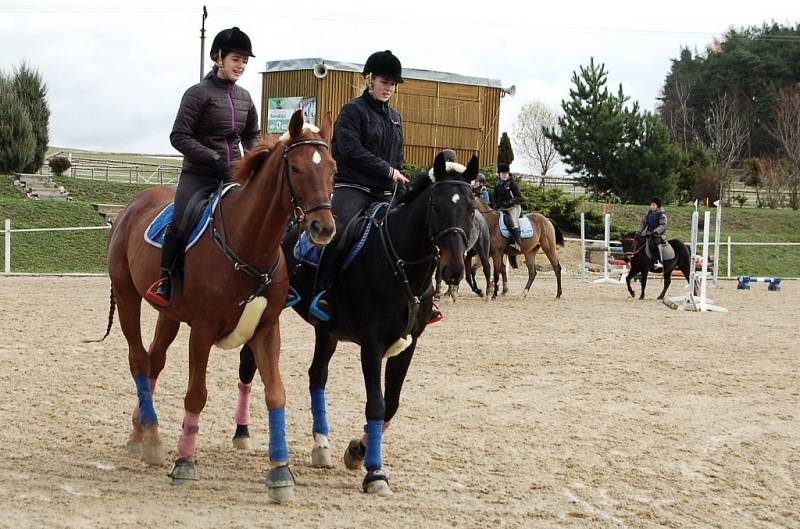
(298, 210)
(636, 249)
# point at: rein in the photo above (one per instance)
(399, 264)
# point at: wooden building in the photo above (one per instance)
(440, 110)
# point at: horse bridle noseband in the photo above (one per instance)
(298, 206)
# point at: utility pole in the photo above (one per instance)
(203, 44)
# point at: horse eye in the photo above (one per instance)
(436, 207)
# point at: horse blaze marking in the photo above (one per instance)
(316, 158)
(455, 198)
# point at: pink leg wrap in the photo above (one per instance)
(385, 427)
(243, 406)
(188, 441)
(135, 417)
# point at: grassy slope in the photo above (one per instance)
(85, 251)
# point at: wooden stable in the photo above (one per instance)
(439, 110)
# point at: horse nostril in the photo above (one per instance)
(314, 227)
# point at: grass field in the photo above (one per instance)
(85, 251)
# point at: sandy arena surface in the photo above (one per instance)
(593, 411)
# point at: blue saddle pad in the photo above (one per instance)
(154, 234)
(525, 227)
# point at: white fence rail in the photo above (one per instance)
(8, 232)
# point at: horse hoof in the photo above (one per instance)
(354, 455)
(153, 451)
(376, 482)
(183, 472)
(280, 484)
(241, 443)
(321, 457)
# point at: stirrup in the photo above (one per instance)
(153, 296)
(292, 298)
(315, 310)
(436, 315)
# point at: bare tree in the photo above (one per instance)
(529, 136)
(785, 128)
(679, 116)
(727, 129)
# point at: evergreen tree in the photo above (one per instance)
(17, 143)
(32, 93)
(591, 128)
(505, 154)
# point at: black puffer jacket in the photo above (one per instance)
(367, 143)
(506, 194)
(215, 116)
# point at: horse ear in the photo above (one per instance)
(296, 124)
(327, 125)
(439, 167)
(472, 169)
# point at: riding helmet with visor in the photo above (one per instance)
(384, 64)
(232, 40)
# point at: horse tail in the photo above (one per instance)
(112, 303)
(512, 260)
(559, 235)
(252, 162)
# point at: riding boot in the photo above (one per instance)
(320, 309)
(161, 292)
(516, 237)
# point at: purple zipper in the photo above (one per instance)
(228, 145)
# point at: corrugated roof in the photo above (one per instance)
(290, 65)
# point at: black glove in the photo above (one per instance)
(219, 167)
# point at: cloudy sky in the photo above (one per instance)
(116, 71)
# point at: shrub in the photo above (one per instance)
(59, 164)
(32, 93)
(17, 141)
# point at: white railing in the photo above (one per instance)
(7, 231)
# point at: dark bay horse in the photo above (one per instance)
(477, 247)
(546, 235)
(240, 261)
(633, 244)
(382, 301)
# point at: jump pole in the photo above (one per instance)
(606, 279)
(584, 272)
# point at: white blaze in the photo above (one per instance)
(455, 198)
(316, 158)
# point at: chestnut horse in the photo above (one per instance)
(546, 235)
(231, 274)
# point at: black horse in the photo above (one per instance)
(382, 301)
(478, 244)
(633, 244)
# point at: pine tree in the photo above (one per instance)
(32, 93)
(591, 128)
(505, 154)
(17, 144)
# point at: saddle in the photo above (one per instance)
(196, 216)
(525, 227)
(658, 251)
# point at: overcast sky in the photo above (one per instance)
(115, 71)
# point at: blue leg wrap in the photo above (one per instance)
(372, 458)
(147, 413)
(278, 451)
(316, 311)
(318, 411)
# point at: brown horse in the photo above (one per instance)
(234, 286)
(546, 235)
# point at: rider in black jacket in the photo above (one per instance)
(368, 149)
(508, 199)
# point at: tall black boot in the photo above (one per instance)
(516, 237)
(320, 308)
(161, 292)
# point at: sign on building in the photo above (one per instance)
(280, 110)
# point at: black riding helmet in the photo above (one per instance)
(656, 201)
(386, 65)
(232, 40)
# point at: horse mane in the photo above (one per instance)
(423, 181)
(253, 160)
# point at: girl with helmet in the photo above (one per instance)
(654, 225)
(368, 149)
(215, 117)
